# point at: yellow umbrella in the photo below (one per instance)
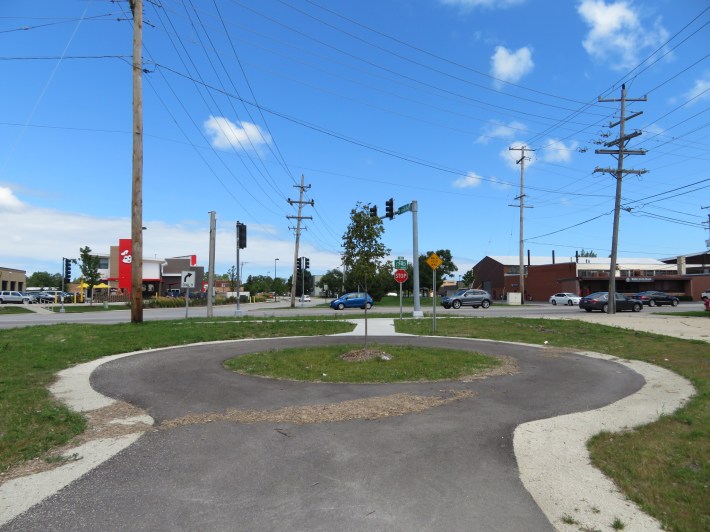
(100, 285)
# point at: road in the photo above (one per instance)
(281, 309)
(449, 466)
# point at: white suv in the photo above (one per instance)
(8, 296)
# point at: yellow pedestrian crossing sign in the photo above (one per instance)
(434, 261)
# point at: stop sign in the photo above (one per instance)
(401, 276)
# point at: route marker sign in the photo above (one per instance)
(400, 263)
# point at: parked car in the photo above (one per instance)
(32, 297)
(654, 297)
(565, 298)
(305, 298)
(600, 301)
(11, 296)
(705, 295)
(44, 297)
(467, 296)
(352, 300)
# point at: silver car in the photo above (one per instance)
(11, 296)
(468, 296)
(565, 298)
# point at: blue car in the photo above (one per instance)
(352, 300)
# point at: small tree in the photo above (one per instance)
(231, 276)
(89, 268)
(363, 252)
(585, 253)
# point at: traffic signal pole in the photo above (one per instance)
(415, 261)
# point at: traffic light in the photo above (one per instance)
(373, 212)
(307, 262)
(389, 206)
(242, 229)
(298, 266)
(67, 271)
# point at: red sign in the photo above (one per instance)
(125, 262)
(401, 276)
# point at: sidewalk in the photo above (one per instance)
(375, 327)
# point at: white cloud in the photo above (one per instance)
(699, 92)
(226, 135)
(508, 65)
(616, 35)
(40, 237)
(470, 180)
(499, 130)
(472, 4)
(8, 201)
(556, 151)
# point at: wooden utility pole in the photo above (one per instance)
(137, 187)
(302, 188)
(521, 198)
(618, 174)
(210, 272)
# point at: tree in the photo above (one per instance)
(89, 267)
(258, 284)
(584, 253)
(231, 276)
(304, 279)
(469, 278)
(363, 251)
(331, 282)
(279, 286)
(45, 279)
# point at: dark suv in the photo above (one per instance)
(468, 296)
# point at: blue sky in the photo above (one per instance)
(368, 100)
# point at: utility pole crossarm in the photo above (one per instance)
(616, 171)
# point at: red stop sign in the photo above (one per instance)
(401, 276)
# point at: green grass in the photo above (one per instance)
(688, 313)
(664, 466)
(323, 364)
(13, 309)
(31, 423)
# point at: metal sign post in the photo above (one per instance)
(434, 261)
(187, 281)
(401, 276)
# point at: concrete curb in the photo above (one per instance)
(554, 462)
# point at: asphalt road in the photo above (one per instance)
(281, 309)
(451, 467)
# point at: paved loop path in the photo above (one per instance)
(450, 466)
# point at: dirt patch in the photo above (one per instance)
(370, 408)
(359, 355)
